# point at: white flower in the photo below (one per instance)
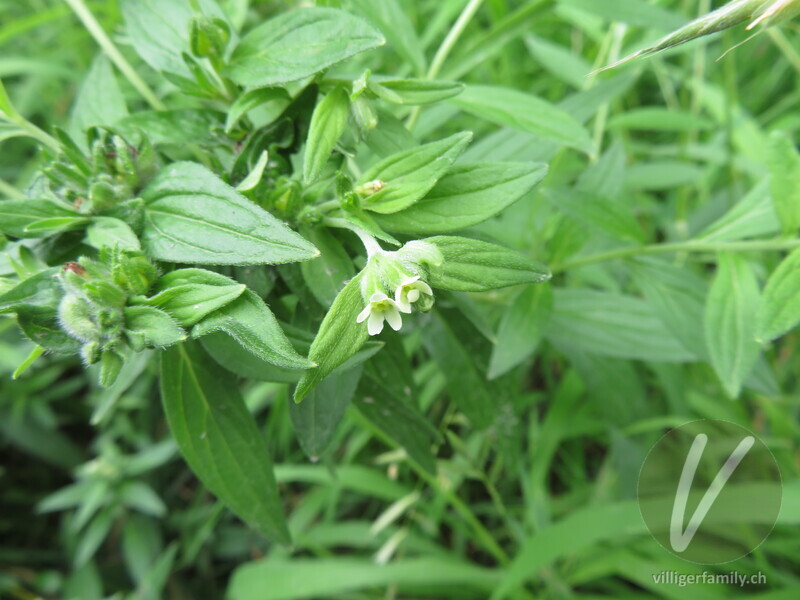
(409, 291)
(380, 308)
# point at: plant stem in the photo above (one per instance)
(445, 48)
(691, 246)
(93, 27)
(452, 37)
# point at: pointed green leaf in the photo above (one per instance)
(192, 216)
(474, 266)
(521, 329)
(408, 175)
(339, 337)
(298, 44)
(219, 438)
(327, 125)
(465, 196)
(780, 310)
(730, 325)
(525, 112)
(251, 323)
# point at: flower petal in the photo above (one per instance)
(378, 297)
(394, 319)
(426, 289)
(375, 323)
(362, 316)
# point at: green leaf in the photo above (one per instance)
(753, 216)
(179, 126)
(414, 91)
(251, 323)
(595, 212)
(395, 23)
(730, 326)
(190, 302)
(99, 100)
(219, 438)
(55, 225)
(678, 298)
(146, 326)
(521, 329)
(657, 118)
(315, 419)
(612, 324)
(465, 196)
(387, 399)
(107, 232)
(231, 354)
(39, 294)
(784, 170)
(17, 215)
(326, 274)
(408, 175)
(327, 125)
(339, 337)
(302, 578)
(525, 112)
(298, 44)
(278, 97)
(255, 175)
(780, 310)
(192, 216)
(466, 385)
(475, 266)
(159, 31)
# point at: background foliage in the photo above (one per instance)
(491, 447)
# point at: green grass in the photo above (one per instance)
(502, 458)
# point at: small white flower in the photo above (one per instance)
(409, 291)
(380, 308)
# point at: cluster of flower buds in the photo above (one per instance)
(113, 172)
(393, 283)
(92, 310)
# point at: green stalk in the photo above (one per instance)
(93, 27)
(444, 50)
(691, 246)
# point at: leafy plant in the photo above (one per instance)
(425, 243)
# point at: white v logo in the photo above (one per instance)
(678, 539)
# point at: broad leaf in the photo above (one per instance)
(612, 324)
(730, 326)
(99, 100)
(408, 175)
(521, 329)
(251, 323)
(784, 171)
(466, 385)
(316, 418)
(474, 266)
(465, 196)
(192, 216)
(219, 438)
(190, 302)
(17, 215)
(298, 44)
(780, 310)
(525, 112)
